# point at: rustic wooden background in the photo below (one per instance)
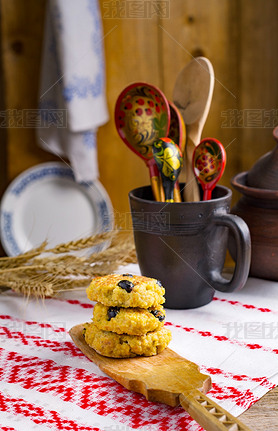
(238, 36)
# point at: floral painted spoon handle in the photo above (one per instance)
(169, 159)
(209, 161)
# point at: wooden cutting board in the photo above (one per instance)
(167, 378)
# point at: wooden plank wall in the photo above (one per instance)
(22, 24)
(238, 36)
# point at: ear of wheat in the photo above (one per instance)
(46, 271)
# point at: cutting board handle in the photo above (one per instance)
(210, 415)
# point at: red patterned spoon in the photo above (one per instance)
(142, 115)
(209, 161)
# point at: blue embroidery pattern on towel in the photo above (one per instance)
(89, 139)
(82, 86)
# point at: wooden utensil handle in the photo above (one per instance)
(210, 415)
(177, 193)
(161, 190)
(191, 191)
(155, 183)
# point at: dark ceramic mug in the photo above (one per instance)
(184, 245)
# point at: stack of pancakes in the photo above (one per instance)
(128, 319)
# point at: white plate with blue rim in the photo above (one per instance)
(46, 203)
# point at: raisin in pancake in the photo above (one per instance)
(126, 290)
(132, 321)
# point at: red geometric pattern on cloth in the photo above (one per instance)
(218, 392)
(76, 302)
(7, 429)
(221, 392)
(56, 346)
(215, 298)
(79, 386)
(251, 346)
(39, 415)
(89, 391)
(30, 323)
(68, 347)
(242, 398)
(247, 306)
(263, 381)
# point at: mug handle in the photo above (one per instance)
(241, 234)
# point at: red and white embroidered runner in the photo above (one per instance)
(46, 383)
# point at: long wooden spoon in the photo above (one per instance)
(192, 95)
(209, 161)
(177, 133)
(142, 115)
(166, 378)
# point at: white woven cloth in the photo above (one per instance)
(48, 384)
(72, 91)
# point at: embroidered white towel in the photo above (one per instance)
(72, 90)
(48, 384)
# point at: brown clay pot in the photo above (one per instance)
(264, 173)
(259, 209)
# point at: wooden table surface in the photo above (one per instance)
(263, 415)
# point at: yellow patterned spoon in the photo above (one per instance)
(169, 159)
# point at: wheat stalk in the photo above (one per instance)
(22, 269)
(82, 243)
(28, 288)
(41, 276)
(10, 262)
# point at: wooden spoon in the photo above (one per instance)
(142, 115)
(168, 157)
(177, 133)
(166, 378)
(209, 161)
(192, 96)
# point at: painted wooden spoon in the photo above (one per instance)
(142, 115)
(209, 161)
(168, 157)
(192, 95)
